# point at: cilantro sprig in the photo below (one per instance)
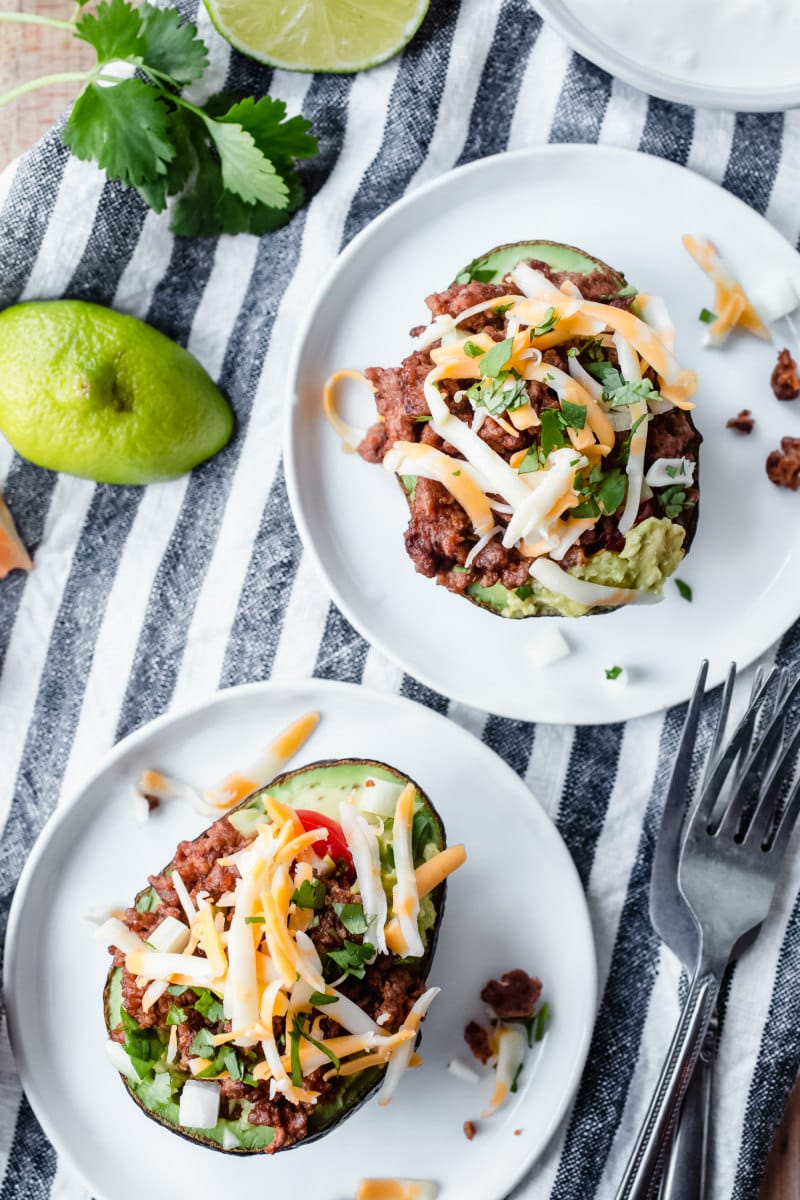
(229, 163)
(618, 391)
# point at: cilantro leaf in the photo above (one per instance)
(530, 462)
(549, 323)
(202, 1046)
(611, 490)
(321, 999)
(171, 45)
(471, 349)
(505, 393)
(310, 894)
(552, 435)
(613, 672)
(176, 1015)
(114, 31)
(245, 170)
(673, 500)
(352, 958)
(707, 317)
(353, 917)
(586, 508)
(495, 359)
(209, 1006)
(524, 592)
(277, 137)
(124, 128)
(574, 414)
(684, 589)
(618, 391)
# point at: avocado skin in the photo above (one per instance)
(491, 268)
(438, 896)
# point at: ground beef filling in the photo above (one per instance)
(387, 992)
(439, 537)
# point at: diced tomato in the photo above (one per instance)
(334, 844)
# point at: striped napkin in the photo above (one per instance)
(144, 599)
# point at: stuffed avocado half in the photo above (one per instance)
(273, 976)
(542, 433)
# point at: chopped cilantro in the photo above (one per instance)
(503, 393)
(673, 500)
(515, 1080)
(618, 391)
(546, 326)
(542, 1018)
(524, 592)
(148, 901)
(613, 672)
(176, 989)
(422, 418)
(456, 474)
(684, 589)
(574, 414)
(552, 435)
(352, 958)
(209, 1006)
(461, 570)
(320, 999)
(530, 462)
(586, 508)
(502, 309)
(707, 316)
(611, 490)
(352, 917)
(495, 359)
(674, 472)
(294, 1037)
(255, 920)
(176, 1016)
(202, 1046)
(310, 894)
(424, 832)
(410, 484)
(471, 349)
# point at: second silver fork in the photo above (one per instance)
(728, 870)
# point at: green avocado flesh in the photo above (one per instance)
(492, 267)
(652, 552)
(321, 787)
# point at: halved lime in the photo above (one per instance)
(339, 36)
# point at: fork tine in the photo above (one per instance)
(722, 720)
(757, 759)
(787, 822)
(769, 794)
(740, 740)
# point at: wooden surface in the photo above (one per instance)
(29, 51)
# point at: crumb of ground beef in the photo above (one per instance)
(783, 466)
(743, 422)
(513, 996)
(784, 381)
(153, 803)
(196, 863)
(477, 1038)
(470, 1130)
(517, 1132)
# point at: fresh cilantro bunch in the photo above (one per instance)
(229, 162)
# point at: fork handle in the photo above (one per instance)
(686, 1172)
(644, 1167)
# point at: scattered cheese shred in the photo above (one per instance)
(732, 306)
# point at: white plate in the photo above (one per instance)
(517, 902)
(746, 82)
(630, 210)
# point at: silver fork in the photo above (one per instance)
(732, 851)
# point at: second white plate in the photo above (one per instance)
(517, 902)
(744, 567)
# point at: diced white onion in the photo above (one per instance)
(667, 471)
(230, 1140)
(379, 796)
(775, 298)
(141, 808)
(170, 937)
(199, 1106)
(114, 933)
(546, 647)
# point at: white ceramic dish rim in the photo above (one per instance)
(64, 813)
(654, 82)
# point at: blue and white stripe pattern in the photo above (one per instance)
(144, 598)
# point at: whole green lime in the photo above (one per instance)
(91, 392)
